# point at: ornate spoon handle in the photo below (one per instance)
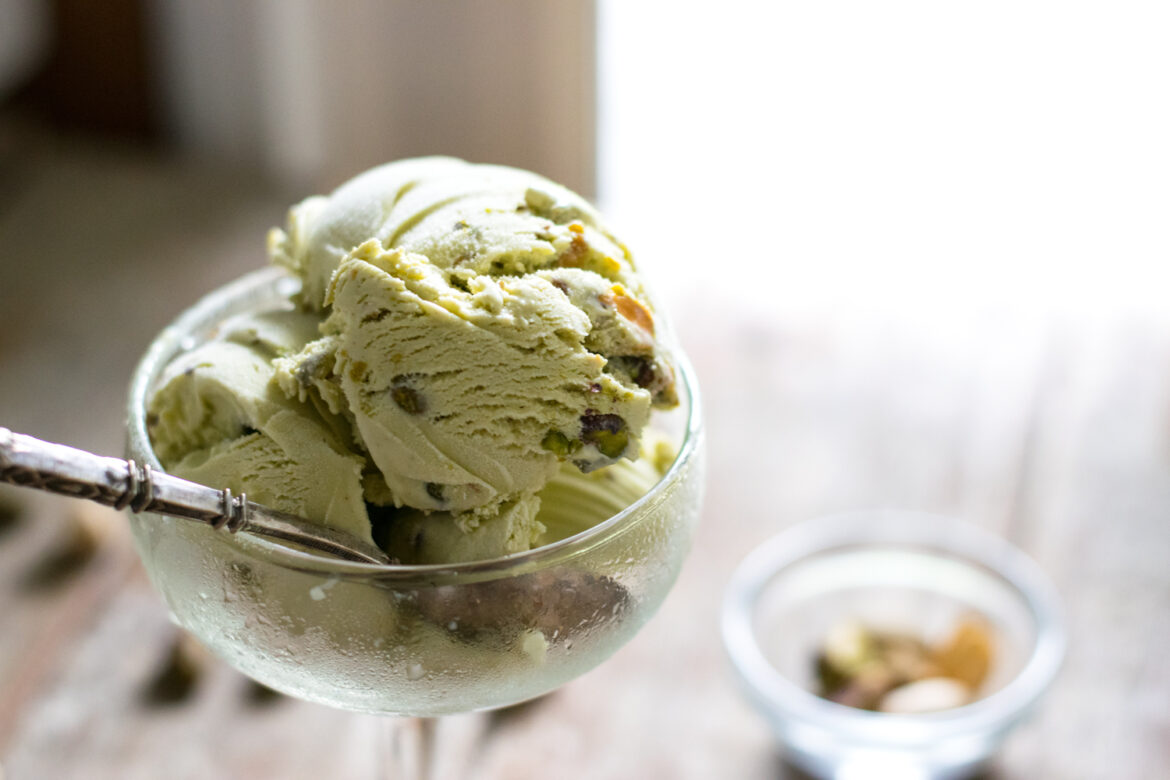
(30, 462)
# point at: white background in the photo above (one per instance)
(927, 157)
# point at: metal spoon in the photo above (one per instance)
(30, 462)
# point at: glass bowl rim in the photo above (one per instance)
(216, 305)
(922, 532)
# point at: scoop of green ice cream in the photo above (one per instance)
(464, 398)
(469, 334)
(217, 418)
(466, 219)
(415, 536)
(483, 327)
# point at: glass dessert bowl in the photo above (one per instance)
(918, 574)
(418, 640)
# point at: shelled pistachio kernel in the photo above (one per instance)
(559, 444)
(608, 432)
(408, 399)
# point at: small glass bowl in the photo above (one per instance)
(895, 570)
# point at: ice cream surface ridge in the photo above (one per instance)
(465, 335)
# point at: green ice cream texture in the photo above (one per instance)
(466, 372)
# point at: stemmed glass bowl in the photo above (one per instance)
(412, 640)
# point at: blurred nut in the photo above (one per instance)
(877, 670)
(848, 646)
(260, 695)
(907, 658)
(929, 695)
(10, 514)
(865, 688)
(179, 673)
(966, 655)
(86, 529)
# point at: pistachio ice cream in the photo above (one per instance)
(467, 337)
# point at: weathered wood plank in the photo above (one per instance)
(55, 584)
(1099, 523)
(97, 720)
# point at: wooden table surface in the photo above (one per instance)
(1052, 431)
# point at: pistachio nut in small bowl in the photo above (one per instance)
(891, 644)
